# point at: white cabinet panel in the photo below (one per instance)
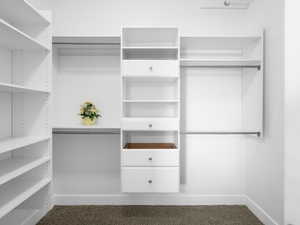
(150, 124)
(150, 157)
(150, 68)
(145, 179)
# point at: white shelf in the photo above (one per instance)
(10, 144)
(22, 13)
(152, 101)
(220, 62)
(11, 200)
(5, 87)
(13, 38)
(12, 168)
(151, 78)
(84, 129)
(150, 47)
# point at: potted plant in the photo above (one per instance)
(89, 113)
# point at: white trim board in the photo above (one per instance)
(259, 212)
(148, 199)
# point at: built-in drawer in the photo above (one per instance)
(148, 124)
(150, 179)
(151, 68)
(150, 157)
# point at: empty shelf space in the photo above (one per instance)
(22, 13)
(220, 63)
(14, 167)
(13, 38)
(10, 144)
(5, 87)
(91, 182)
(17, 194)
(150, 146)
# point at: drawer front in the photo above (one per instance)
(151, 68)
(150, 179)
(150, 124)
(155, 157)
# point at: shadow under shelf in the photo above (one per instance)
(150, 146)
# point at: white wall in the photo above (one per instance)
(292, 112)
(265, 157)
(207, 157)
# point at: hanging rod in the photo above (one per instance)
(77, 43)
(85, 132)
(217, 66)
(182, 132)
(221, 132)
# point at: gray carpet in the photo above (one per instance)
(150, 215)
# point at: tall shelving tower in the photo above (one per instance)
(150, 133)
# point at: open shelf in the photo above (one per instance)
(220, 62)
(5, 87)
(22, 13)
(10, 144)
(150, 146)
(16, 166)
(20, 193)
(12, 38)
(149, 37)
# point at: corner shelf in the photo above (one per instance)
(23, 13)
(5, 87)
(11, 201)
(10, 144)
(13, 38)
(12, 168)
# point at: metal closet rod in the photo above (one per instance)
(182, 132)
(77, 43)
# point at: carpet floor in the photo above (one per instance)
(150, 215)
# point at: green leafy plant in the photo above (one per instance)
(89, 110)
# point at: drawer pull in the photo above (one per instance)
(150, 125)
(150, 158)
(151, 68)
(149, 181)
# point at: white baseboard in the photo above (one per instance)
(149, 199)
(259, 212)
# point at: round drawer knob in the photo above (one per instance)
(150, 158)
(151, 68)
(227, 3)
(149, 181)
(150, 125)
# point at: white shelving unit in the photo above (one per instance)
(150, 134)
(13, 38)
(25, 132)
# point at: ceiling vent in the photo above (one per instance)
(225, 4)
